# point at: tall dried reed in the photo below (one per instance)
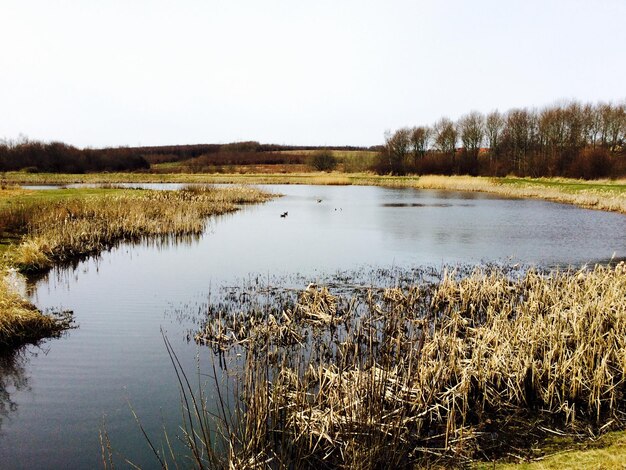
(464, 368)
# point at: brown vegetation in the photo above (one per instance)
(57, 157)
(21, 322)
(467, 368)
(63, 230)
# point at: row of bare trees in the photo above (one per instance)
(571, 139)
(55, 157)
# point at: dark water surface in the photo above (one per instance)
(54, 399)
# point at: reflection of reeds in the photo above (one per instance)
(464, 368)
(62, 230)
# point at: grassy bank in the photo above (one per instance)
(607, 453)
(480, 367)
(39, 229)
(603, 195)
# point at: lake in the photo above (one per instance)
(54, 399)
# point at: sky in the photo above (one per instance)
(95, 73)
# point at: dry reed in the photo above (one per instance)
(21, 322)
(602, 199)
(461, 369)
(611, 197)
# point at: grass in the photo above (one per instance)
(40, 229)
(350, 161)
(447, 373)
(66, 228)
(607, 452)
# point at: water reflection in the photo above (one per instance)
(414, 204)
(13, 378)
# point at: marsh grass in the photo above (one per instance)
(39, 229)
(445, 373)
(62, 230)
(602, 195)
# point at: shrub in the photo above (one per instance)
(323, 160)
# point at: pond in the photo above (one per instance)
(55, 399)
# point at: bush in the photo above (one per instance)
(323, 160)
(591, 164)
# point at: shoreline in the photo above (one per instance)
(607, 195)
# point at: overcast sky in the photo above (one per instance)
(148, 72)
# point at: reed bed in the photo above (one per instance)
(469, 367)
(607, 195)
(597, 194)
(41, 230)
(59, 231)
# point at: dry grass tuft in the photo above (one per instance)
(21, 322)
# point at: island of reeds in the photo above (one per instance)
(442, 372)
(41, 229)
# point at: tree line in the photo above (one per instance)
(572, 139)
(58, 157)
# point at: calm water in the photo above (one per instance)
(54, 399)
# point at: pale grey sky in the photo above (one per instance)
(326, 72)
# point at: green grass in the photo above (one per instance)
(608, 452)
(168, 166)
(566, 184)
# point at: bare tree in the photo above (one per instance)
(419, 139)
(446, 136)
(566, 138)
(520, 129)
(397, 148)
(471, 127)
(616, 127)
(591, 125)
